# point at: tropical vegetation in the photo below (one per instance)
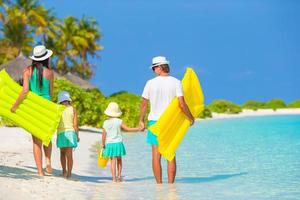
(90, 104)
(275, 104)
(206, 113)
(74, 41)
(294, 104)
(224, 106)
(253, 105)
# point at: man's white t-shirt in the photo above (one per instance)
(160, 91)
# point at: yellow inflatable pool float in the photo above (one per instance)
(37, 115)
(173, 123)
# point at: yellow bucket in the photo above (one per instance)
(102, 161)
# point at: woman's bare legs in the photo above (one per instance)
(37, 154)
(119, 166)
(48, 152)
(156, 164)
(113, 168)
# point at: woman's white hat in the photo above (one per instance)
(159, 60)
(63, 96)
(113, 110)
(40, 53)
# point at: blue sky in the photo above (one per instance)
(241, 49)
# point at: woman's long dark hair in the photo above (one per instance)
(39, 66)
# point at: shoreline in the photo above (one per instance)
(244, 113)
(252, 113)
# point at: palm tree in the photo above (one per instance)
(21, 20)
(72, 40)
(41, 20)
(44, 22)
(89, 30)
(62, 45)
(76, 40)
(7, 52)
(15, 30)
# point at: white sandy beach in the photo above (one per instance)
(18, 178)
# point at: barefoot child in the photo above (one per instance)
(67, 131)
(112, 140)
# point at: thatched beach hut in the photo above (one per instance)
(16, 67)
(78, 81)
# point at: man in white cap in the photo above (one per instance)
(160, 91)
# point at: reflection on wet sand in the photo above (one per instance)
(166, 192)
(137, 191)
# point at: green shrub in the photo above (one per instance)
(253, 105)
(129, 105)
(294, 104)
(90, 104)
(224, 106)
(275, 104)
(206, 113)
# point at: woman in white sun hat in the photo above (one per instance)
(160, 91)
(38, 78)
(112, 140)
(67, 133)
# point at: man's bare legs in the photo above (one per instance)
(171, 170)
(156, 164)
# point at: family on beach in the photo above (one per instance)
(158, 91)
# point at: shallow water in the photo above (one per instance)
(246, 158)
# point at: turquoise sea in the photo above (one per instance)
(244, 158)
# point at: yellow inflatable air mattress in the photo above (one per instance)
(173, 123)
(37, 115)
